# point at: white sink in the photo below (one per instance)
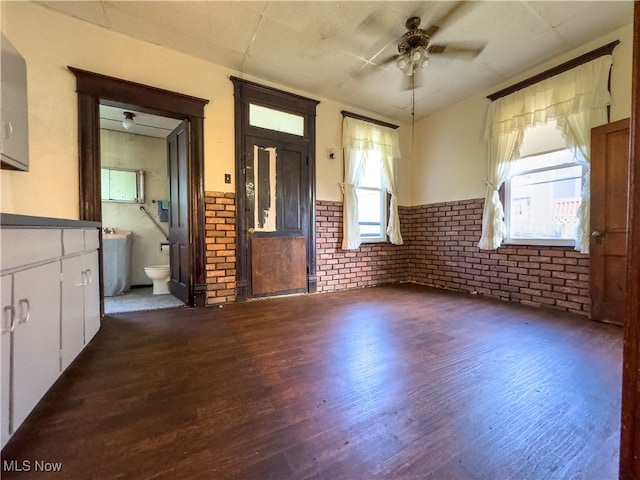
(116, 234)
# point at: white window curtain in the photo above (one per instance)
(358, 139)
(577, 99)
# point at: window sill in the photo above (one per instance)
(538, 242)
(373, 240)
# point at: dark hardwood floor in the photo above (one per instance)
(397, 382)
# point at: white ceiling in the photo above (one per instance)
(145, 123)
(331, 49)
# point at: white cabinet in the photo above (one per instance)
(30, 340)
(72, 328)
(8, 317)
(50, 311)
(80, 291)
(23, 247)
(80, 304)
(36, 337)
(91, 296)
(92, 288)
(14, 122)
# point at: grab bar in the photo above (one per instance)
(154, 222)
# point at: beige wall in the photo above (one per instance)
(50, 42)
(137, 152)
(450, 158)
(329, 171)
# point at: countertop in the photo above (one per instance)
(10, 220)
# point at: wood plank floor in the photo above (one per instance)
(395, 382)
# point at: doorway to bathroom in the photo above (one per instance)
(135, 209)
(186, 233)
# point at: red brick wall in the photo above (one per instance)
(443, 253)
(440, 250)
(371, 264)
(220, 239)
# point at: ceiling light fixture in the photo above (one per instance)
(412, 47)
(128, 121)
(413, 59)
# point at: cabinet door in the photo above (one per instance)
(72, 324)
(6, 293)
(91, 296)
(36, 338)
(14, 123)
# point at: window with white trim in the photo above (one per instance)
(372, 201)
(543, 193)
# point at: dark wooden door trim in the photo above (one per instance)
(95, 90)
(630, 436)
(246, 92)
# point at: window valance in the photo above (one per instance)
(367, 136)
(577, 90)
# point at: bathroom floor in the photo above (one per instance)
(136, 299)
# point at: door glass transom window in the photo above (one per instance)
(277, 120)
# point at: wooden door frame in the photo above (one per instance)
(630, 431)
(94, 90)
(246, 92)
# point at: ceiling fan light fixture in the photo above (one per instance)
(128, 121)
(411, 60)
(402, 62)
(424, 61)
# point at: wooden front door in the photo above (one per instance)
(609, 180)
(277, 216)
(180, 283)
(275, 191)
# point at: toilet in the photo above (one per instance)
(160, 276)
(160, 273)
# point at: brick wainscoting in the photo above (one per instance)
(371, 264)
(220, 239)
(443, 252)
(440, 250)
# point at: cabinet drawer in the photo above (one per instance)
(73, 240)
(91, 240)
(77, 240)
(26, 246)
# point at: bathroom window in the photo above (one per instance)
(122, 185)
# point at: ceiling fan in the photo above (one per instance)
(415, 47)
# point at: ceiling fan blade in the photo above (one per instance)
(411, 82)
(387, 61)
(377, 22)
(441, 22)
(407, 83)
(370, 67)
(467, 51)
